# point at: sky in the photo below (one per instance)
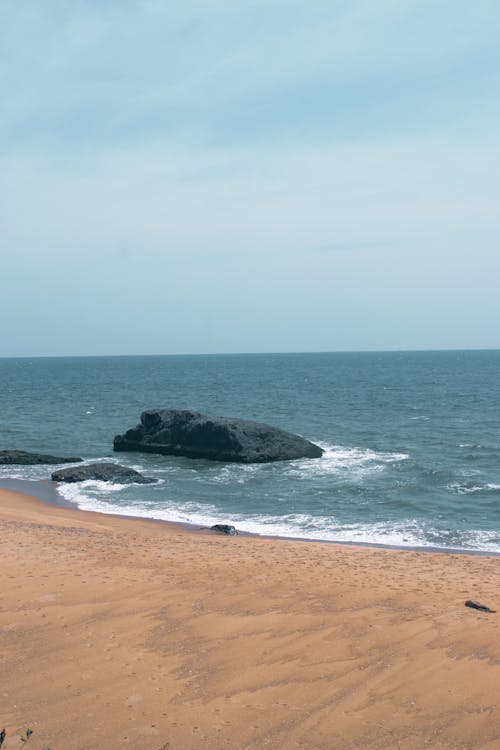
(214, 176)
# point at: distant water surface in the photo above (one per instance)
(412, 440)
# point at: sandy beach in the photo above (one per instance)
(123, 633)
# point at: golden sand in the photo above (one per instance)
(118, 633)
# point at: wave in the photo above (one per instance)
(408, 533)
(338, 459)
(75, 490)
(44, 471)
(326, 482)
(470, 488)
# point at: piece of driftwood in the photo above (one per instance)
(481, 607)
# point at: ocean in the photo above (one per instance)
(411, 440)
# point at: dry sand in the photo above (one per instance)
(119, 633)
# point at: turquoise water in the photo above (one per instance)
(412, 440)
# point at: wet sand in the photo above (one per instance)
(119, 633)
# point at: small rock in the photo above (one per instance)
(224, 528)
(103, 472)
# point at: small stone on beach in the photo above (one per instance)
(480, 607)
(224, 528)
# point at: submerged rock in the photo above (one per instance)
(224, 528)
(173, 432)
(100, 471)
(28, 459)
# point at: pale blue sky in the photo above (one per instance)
(236, 175)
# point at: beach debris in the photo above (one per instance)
(174, 432)
(480, 607)
(25, 458)
(26, 735)
(103, 472)
(224, 528)
(24, 738)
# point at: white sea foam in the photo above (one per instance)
(338, 459)
(407, 533)
(468, 489)
(72, 489)
(229, 473)
(19, 472)
(36, 472)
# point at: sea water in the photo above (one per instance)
(411, 440)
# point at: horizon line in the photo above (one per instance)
(252, 353)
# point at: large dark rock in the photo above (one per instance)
(27, 459)
(102, 472)
(188, 433)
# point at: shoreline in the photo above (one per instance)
(46, 490)
(118, 632)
